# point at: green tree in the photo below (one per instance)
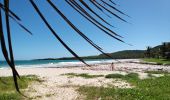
(148, 53)
(167, 50)
(163, 50)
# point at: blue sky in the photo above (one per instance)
(150, 27)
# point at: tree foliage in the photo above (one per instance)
(161, 51)
(148, 52)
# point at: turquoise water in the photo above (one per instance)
(34, 62)
(46, 63)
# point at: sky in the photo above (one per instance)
(149, 26)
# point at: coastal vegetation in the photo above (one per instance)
(84, 75)
(152, 88)
(157, 72)
(158, 61)
(7, 87)
(149, 88)
(159, 54)
(126, 77)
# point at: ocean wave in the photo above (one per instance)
(67, 64)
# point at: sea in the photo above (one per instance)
(52, 63)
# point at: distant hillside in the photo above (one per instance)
(126, 54)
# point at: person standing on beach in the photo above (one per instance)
(112, 66)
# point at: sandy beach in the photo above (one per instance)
(56, 85)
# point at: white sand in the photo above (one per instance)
(59, 87)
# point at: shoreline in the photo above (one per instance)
(69, 64)
(56, 84)
(105, 67)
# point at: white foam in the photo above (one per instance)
(69, 64)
